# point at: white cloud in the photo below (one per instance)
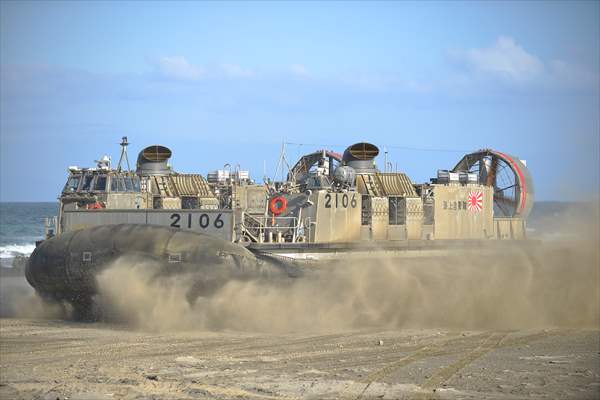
(178, 67)
(299, 70)
(236, 71)
(505, 59)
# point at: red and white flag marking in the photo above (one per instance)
(475, 201)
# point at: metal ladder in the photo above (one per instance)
(252, 228)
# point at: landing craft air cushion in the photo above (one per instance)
(226, 226)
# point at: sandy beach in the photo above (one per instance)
(50, 359)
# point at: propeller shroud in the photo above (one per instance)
(508, 175)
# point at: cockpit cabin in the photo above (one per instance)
(93, 189)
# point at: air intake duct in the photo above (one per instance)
(153, 161)
(361, 157)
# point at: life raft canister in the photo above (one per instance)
(278, 205)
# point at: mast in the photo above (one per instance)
(124, 143)
(282, 162)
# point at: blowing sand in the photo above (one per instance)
(509, 324)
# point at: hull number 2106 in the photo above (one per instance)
(203, 220)
(340, 201)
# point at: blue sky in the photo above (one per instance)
(227, 82)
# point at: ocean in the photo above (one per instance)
(21, 224)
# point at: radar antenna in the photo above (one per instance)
(124, 143)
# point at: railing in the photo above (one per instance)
(267, 229)
(50, 227)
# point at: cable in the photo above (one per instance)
(428, 149)
(315, 144)
(386, 146)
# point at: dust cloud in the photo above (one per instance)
(553, 284)
(18, 299)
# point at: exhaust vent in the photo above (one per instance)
(361, 157)
(153, 161)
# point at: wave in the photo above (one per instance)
(14, 250)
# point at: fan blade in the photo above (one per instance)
(505, 188)
(505, 200)
(482, 170)
(505, 204)
(491, 178)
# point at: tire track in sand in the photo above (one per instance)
(421, 353)
(488, 344)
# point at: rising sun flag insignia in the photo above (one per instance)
(475, 201)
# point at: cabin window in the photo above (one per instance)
(87, 183)
(73, 183)
(157, 202)
(396, 211)
(117, 184)
(128, 184)
(189, 202)
(136, 184)
(100, 184)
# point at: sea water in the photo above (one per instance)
(21, 225)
